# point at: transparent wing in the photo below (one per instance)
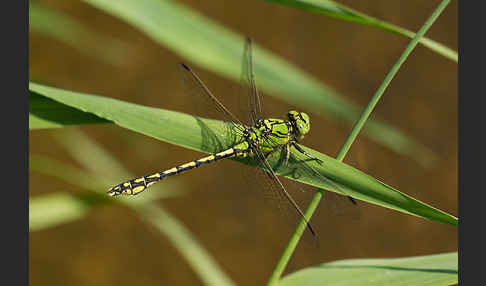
(279, 187)
(337, 204)
(190, 77)
(204, 100)
(272, 186)
(275, 193)
(251, 104)
(254, 110)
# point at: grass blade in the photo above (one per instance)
(198, 258)
(187, 131)
(437, 269)
(51, 210)
(47, 113)
(54, 209)
(216, 48)
(292, 244)
(339, 11)
(183, 240)
(69, 31)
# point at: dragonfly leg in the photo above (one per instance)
(298, 148)
(287, 154)
(268, 155)
(286, 149)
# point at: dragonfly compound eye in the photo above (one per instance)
(303, 123)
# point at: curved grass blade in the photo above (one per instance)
(184, 130)
(202, 263)
(339, 11)
(87, 181)
(216, 48)
(428, 270)
(51, 210)
(69, 31)
(54, 209)
(191, 249)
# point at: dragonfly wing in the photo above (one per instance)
(205, 91)
(204, 100)
(251, 104)
(276, 190)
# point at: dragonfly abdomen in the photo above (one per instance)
(138, 185)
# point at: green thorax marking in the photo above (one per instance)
(267, 135)
(278, 132)
(272, 133)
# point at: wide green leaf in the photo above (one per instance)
(47, 113)
(429, 270)
(336, 10)
(192, 132)
(216, 48)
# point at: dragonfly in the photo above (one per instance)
(260, 138)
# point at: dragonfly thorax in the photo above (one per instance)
(270, 133)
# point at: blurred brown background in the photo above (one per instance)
(112, 246)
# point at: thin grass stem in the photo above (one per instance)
(291, 245)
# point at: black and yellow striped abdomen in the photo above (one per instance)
(138, 185)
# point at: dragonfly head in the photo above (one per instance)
(301, 123)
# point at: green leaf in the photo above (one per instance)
(216, 48)
(336, 10)
(438, 269)
(189, 131)
(47, 113)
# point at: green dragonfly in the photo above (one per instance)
(259, 139)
